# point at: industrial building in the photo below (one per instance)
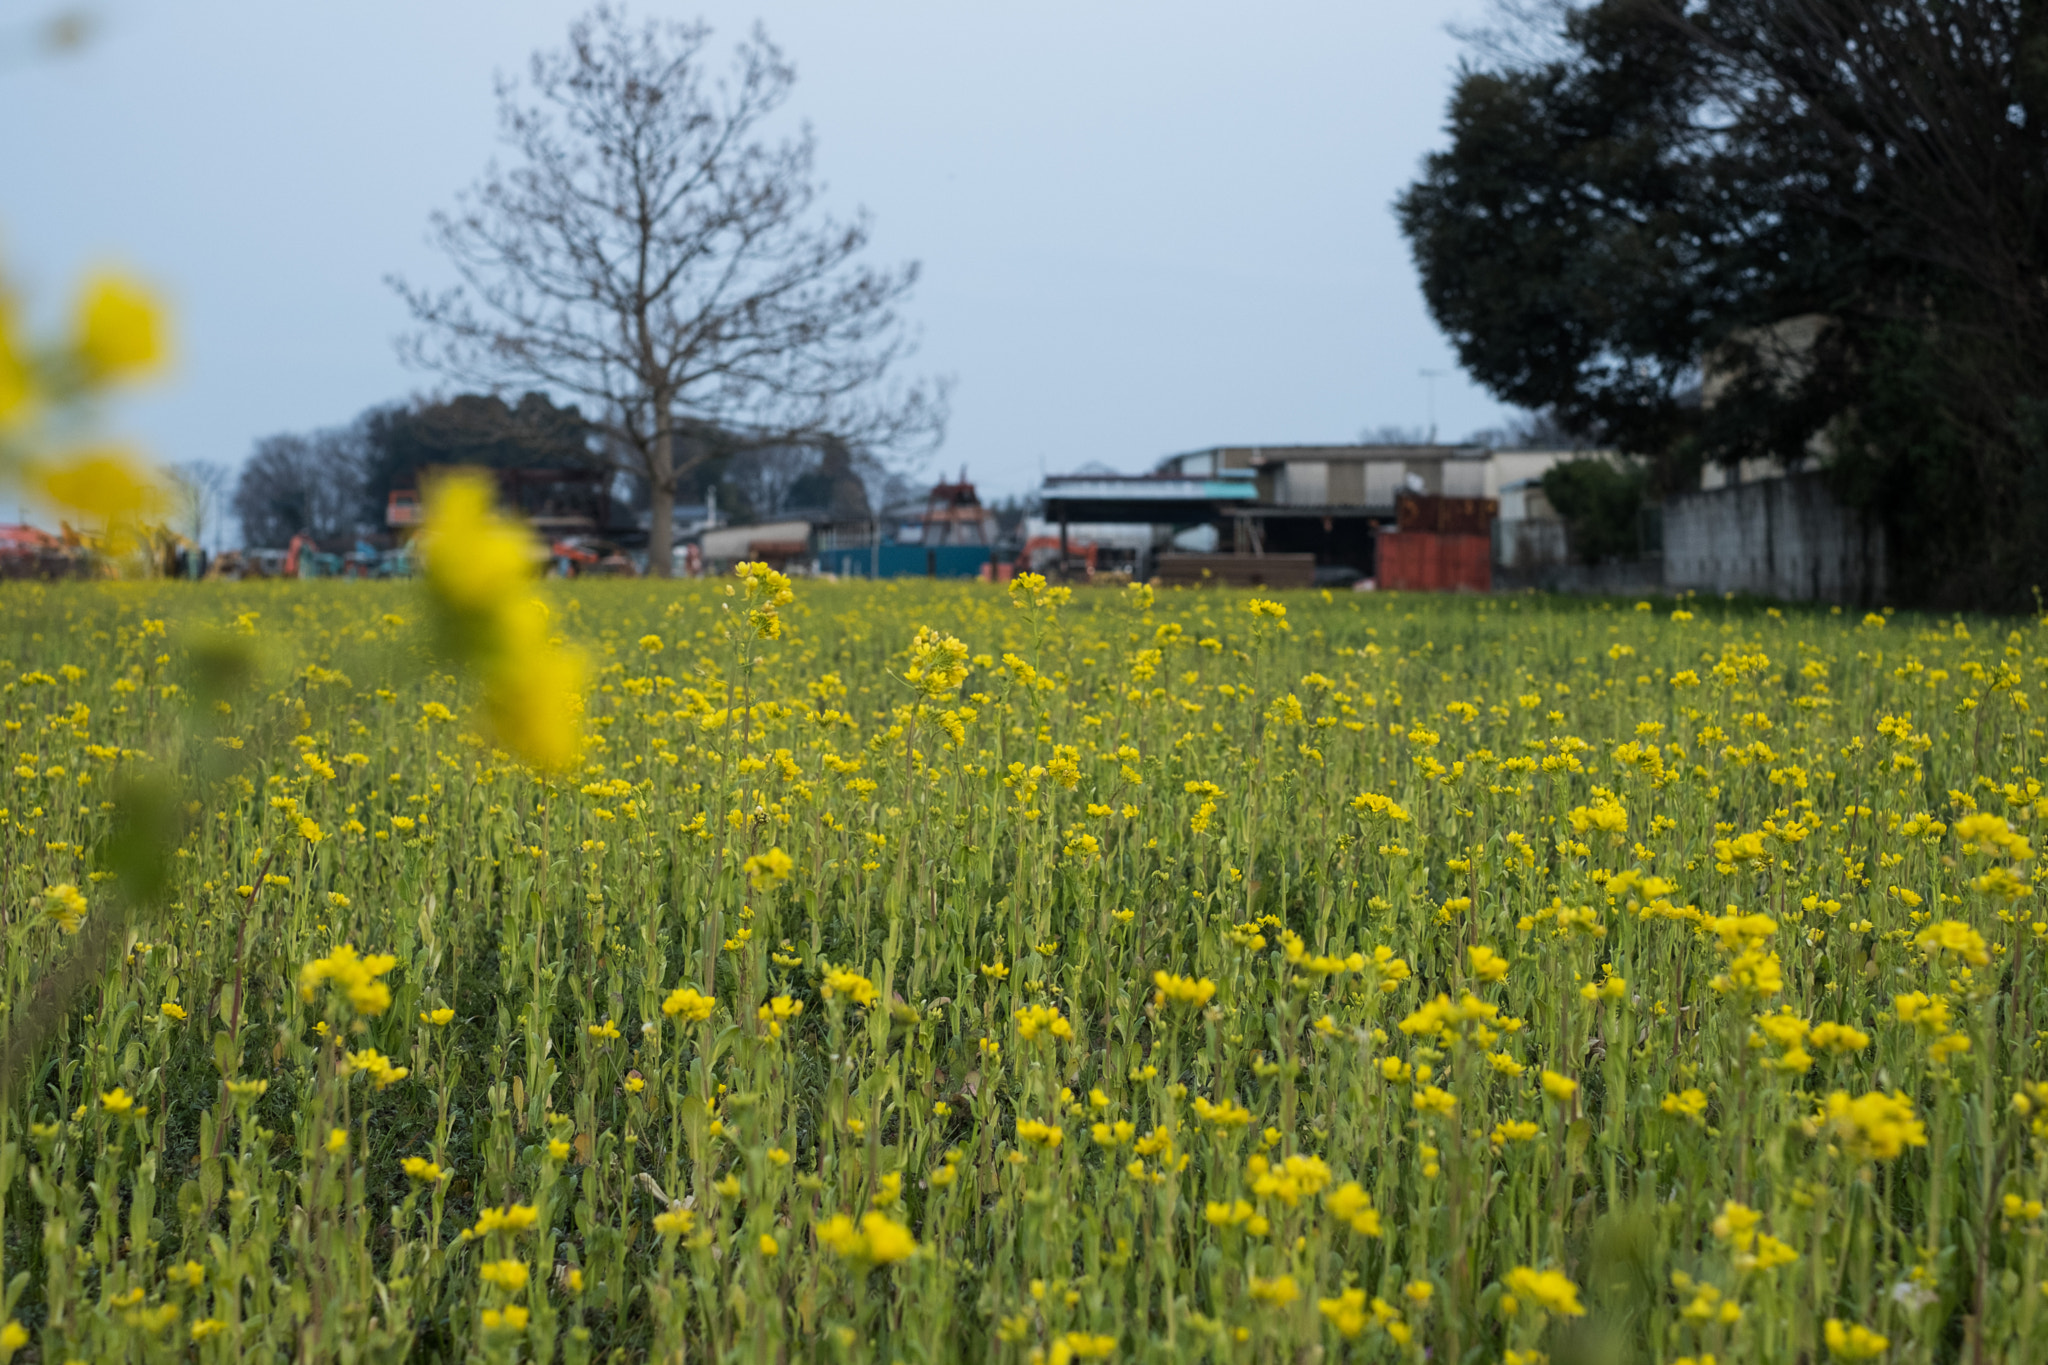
(1319, 510)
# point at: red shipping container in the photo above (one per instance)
(1449, 516)
(1428, 561)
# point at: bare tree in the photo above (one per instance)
(1543, 429)
(294, 484)
(1391, 435)
(198, 490)
(768, 475)
(655, 255)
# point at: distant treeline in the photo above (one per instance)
(335, 483)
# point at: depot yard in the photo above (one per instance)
(954, 973)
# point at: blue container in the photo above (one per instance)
(908, 561)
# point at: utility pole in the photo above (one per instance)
(1429, 378)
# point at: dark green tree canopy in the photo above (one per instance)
(1712, 229)
(333, 484)
(401, 439)
(1601, 503)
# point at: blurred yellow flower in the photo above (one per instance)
(855, 987)
(1181, 990)
(507, 1275)
(877, 1239)
(1874, 1127)
(355, 975)
(478, 566)
(1487, 965)
(1548, 1288)
(1277, 1292)
(104, 485)
(64, 906)
(1853, 1341)
(119, 329)
(765, 871)
(510, 1318)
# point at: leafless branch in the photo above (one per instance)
(654, 252)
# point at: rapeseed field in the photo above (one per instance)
(922, 972)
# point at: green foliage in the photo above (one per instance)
(1734, 229)
(1602, 506)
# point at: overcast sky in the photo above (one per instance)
(1145, 228)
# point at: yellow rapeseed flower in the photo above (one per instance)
(1430, 1099)
(355, 975)
(1182, 990)
(511, 1218)
(1277, 1292)
(855, 987)
(510, 1318)
(1853, 1341)
(1513, 1130)
(1549, 1289)
(64, 906)
(686, 1006)
(1874, 1127)
(765, 871)
(1296, 1178)
(1033, 1020)
(508, 1275)
(375, 1065)
(1690, 1103)
(1346, 1312)
(1038, 1134)
(1953, 936)
(877, 1239)
(1350, 1204)
(1487, 965)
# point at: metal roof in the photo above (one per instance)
(1141, 498)
(1149, 488)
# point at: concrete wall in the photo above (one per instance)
(1784, 537)
(1303, 483)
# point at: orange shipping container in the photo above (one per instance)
(1448, 516)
